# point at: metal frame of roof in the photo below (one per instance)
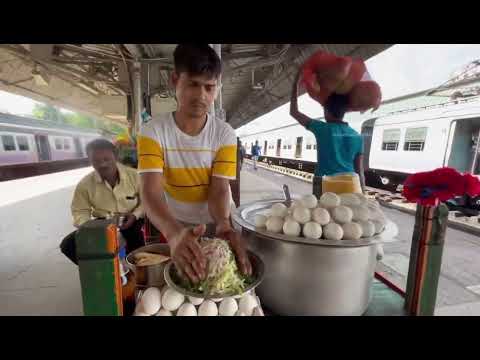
(96, 79)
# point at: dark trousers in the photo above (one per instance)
(317, 186)
(133, 236)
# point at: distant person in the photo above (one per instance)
(255, 154)
(111, 188)
(339, 147)
(242, 154)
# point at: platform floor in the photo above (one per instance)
(36, 279)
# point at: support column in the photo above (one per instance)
(137, 98)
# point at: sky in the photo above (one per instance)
(400, 70)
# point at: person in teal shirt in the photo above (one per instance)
(339, 147)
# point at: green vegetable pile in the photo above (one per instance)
(223, 276)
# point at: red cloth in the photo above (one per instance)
(427, 188)
(324, 74)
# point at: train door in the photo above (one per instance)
(265, 148)
(78, 147)
(43, 148)
(279, 147)
(465, 146)
(298, 148)
(367, 132)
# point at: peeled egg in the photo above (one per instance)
(164, 312)
(329, 200)
(151, 301)
(187, 309)
(291, 228)
(279, 209)
(246, 304)
(349, 199)
(342, 214)
(217, 299)
(195, 300)
(309, 201)
(274, 224)
(208, 308)
(368, 228)
(294, 204)
(239, 313)
(172, 299)
(288, 218)
(312, 230)
(363, 199)
(332, 231)
(228, 307)
(321, 216)
(352, 231)
(302, 215)
(260, 220)
(360, 213)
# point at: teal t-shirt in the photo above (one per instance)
(337, 146)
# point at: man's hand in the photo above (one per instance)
(187, 254)
(128, 222)
(225, 231)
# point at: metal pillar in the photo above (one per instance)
(217, 108)
(137, 97)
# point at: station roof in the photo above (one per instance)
(95, 78)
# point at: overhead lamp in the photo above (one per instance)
(40, 78)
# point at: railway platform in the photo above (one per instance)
(36, 279)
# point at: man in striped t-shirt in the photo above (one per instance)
(186, 159)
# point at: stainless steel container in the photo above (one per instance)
(308, 276)
(147, 276)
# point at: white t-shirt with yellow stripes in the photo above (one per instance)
(187, 162)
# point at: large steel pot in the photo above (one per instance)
(147, 276)
(306, 276)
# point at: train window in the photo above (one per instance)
(22, 142)
(8, 143)
(58, 144)
(415, 139)
(289, 147)
(309, 147)
(66, 144)
(314, 147)
(391, 139)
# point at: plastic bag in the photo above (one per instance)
(324, 74)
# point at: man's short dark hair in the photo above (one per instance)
(197, 59)
(337, 105)
(100, 144)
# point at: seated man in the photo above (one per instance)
(111, 189)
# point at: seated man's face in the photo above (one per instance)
(104, 162)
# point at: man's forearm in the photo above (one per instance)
(219, 206)
(158, 213)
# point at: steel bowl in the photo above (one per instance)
(151, 275)
(258, 271)
(309, 276)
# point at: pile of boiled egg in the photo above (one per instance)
(169, 302)
(347, 216)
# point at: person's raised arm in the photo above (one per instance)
(294, 112)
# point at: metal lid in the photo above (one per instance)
(245, 215)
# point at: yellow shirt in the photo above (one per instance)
(94, 197)
(187, 162)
